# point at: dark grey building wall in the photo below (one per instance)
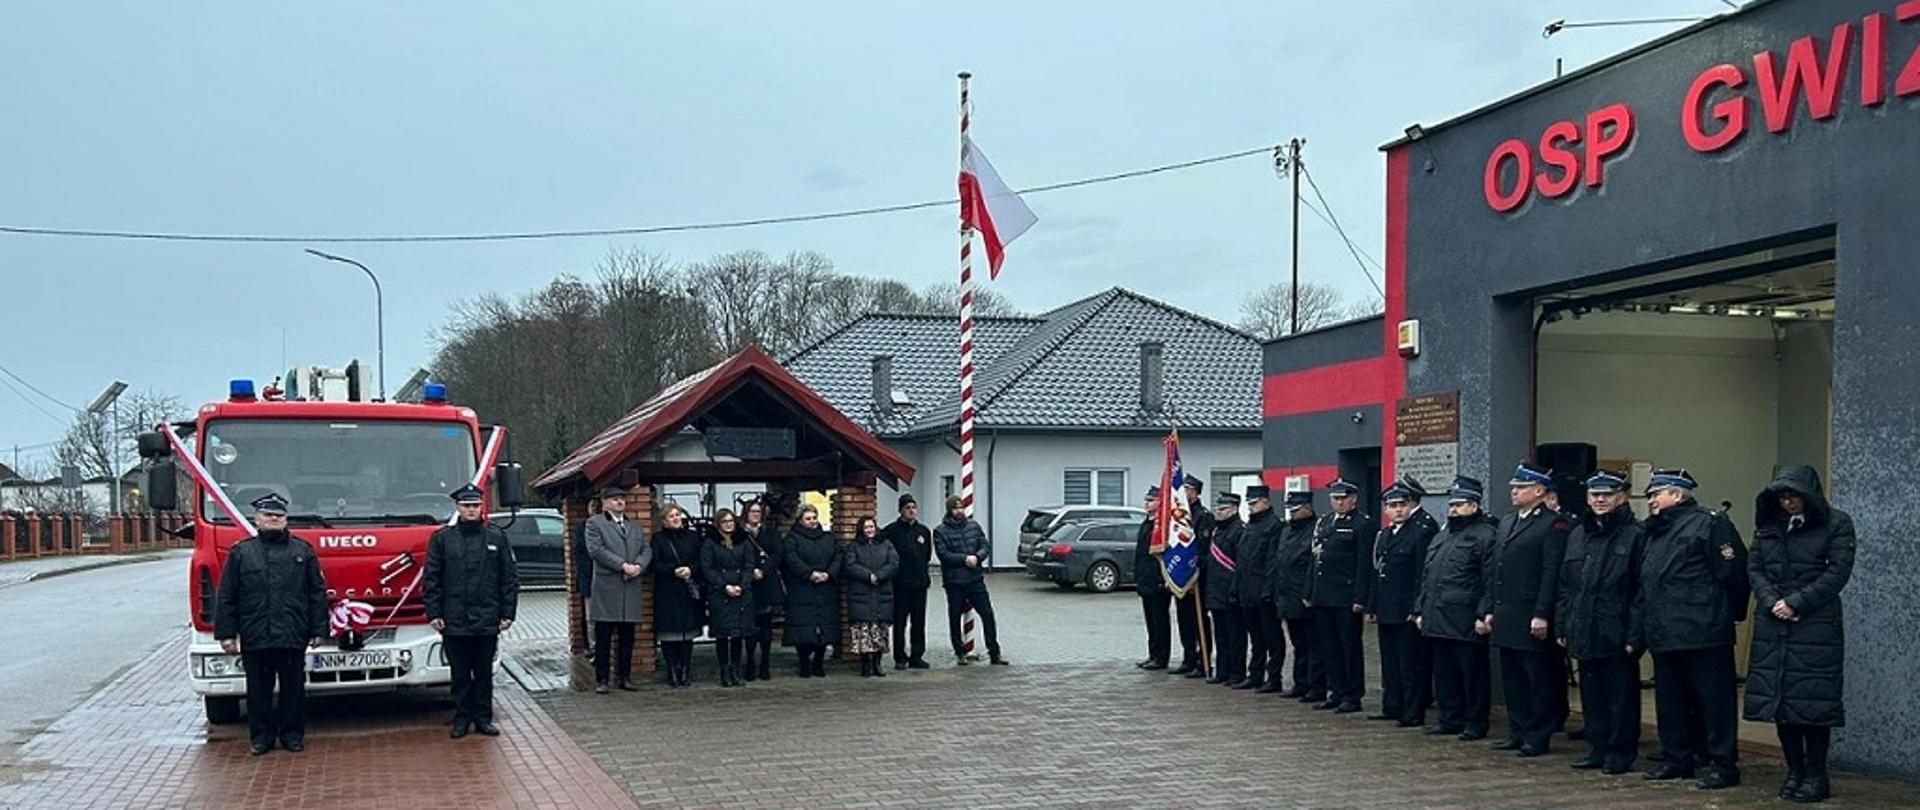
(1340, 343)
(1472, 274)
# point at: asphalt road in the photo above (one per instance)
(63, 637)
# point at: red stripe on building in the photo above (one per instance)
(1341, 385)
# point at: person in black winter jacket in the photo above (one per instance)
(1802, 559)
(727, 562)
(271, 607)
(1187, 608)
(1218, 569)
(814, 567)
(471, 592)
(1150, 582)
(913, 541)
(1594, 619)
(1337, 593)
(1448, 613)
(1685, 619)
(1290, 574)
(1399, 560)
(679, 593)
(963, 549)
(1252, 596)
(871, 564)
(769, 588)
(1524, 580)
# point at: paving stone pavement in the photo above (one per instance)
(143, 742)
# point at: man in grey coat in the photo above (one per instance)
(620, 554)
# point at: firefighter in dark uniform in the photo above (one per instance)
(1524, 582)
(1448, 613)
(1692, 576)
(471, 592)
(1291, 573)
(1252, 591)
(1399, 561)
(1337, 593)
(272, 606)
(1150, 583)
(1218, 567)
(1594, 620)
(1187, 608)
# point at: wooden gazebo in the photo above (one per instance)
(760, 425)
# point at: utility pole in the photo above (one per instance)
(1290, 164)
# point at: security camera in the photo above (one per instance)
(1359, 417)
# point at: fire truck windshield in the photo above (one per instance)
(337, 473)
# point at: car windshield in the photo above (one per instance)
(365, 473)
(1037, 521)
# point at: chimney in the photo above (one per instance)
(883, 383)
(1153, 376)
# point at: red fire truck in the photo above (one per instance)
(367, 483)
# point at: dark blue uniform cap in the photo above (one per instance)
(1153, 491)
(1226, 499)
(1606, 481)
(1466, 489)
(1530, 474)
(1675, 478)
(469, 494)
(1259, 492)
(270, 503)
(1299, 497)
(1342, 486)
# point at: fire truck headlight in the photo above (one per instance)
(218, 666)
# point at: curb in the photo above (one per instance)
(90, 566)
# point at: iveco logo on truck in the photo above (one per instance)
(350, 541)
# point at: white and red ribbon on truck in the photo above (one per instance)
(206, 482)
(487, 458)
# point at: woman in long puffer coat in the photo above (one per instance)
(727, 561)
(871, 563)
(1802, 558)
(813, 567)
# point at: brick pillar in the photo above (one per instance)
(640, 501)
(117, 533)
(6, 537)
(851, 503)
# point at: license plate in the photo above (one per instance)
(359, 659)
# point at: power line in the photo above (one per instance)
(30, 403)
(1335, 222)
(36, 389)
(598, 232)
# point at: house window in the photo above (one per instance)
(1094, 488)
(946, 488)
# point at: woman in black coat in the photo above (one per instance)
(1802, 558)
(769, 589)
(871, 563)
(677, 590)
(728, 561)
(813, 565)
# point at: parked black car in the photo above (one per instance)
(1098, 554)
(539, 540)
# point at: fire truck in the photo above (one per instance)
(367, 482)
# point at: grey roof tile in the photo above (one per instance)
(1076, 367)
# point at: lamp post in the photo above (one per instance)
(379, 313)
(108, 405)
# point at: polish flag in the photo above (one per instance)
(988, 206)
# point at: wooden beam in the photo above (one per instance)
(729, 472)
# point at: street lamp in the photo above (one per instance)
(379, 313)
(109, 403)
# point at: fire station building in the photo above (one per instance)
(1702, 253)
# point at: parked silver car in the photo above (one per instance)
(1042, 519)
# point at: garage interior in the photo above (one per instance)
(1722, 366)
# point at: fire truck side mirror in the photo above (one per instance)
(509, 486)
(163, 485)
(152, 445)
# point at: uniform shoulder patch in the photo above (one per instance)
(1726, 552)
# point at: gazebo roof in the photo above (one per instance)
(748, 389)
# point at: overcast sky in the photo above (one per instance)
(393, 118)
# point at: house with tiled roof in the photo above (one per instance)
(1070, 406)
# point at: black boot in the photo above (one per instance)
(766, 660)
(866, 666)
(820, 663)
(1816, 787)
(1795, 777)
(749, 670)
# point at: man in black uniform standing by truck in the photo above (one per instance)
(471, 592)
(272, 607)
(1337, 593)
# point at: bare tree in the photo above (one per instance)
(1268, 312)
(945, 297)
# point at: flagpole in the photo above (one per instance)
(966, 321)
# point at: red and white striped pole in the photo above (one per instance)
(966, 322)
(969, 618)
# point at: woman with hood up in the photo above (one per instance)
(1802, 558)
